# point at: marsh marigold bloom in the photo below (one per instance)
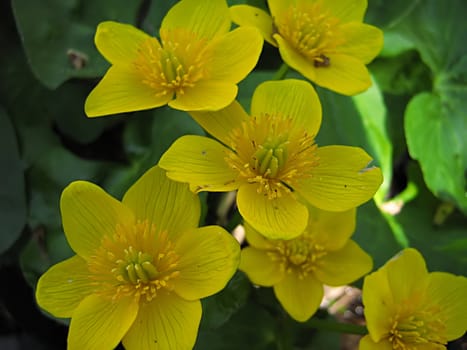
(298, 268)
(195, 66)
(140, 268)
(407, 308)
(273, 161)
(324, 40)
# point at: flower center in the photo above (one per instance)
(176, 65)
(269, 152)
(301, 255)
(135, 261)
(312, 31)
(425, 326)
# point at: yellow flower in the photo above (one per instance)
(196, 66)
(141, 266)
(298, 268)
(407, 308)
(272, 160)
(324, 40)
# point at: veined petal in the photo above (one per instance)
(344, 266)
(122, 90)
(255, 239)
(346, 75)
(363, 41)
(291, 98)
(259, 267)
(347, 10)
(449, 293)
(89, 214)
(206, 18)
(280, 218)
(209, 257)
(207, 95)
(199, 161)
(245, 15)
(119, 42)
(235, 54)
(99, 323)
(341, 180)
(62, 287)
(221, 123)
(333, 229)
(299, 297)
(168, 322)
(169, 205)
(366, 343)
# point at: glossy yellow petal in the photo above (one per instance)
(279, 7)
(88, 214)
(331, 229)
(62, 287)
(366, 343)
(294, 59)
(221, 123)
(206, 18)
(363, 41)
(344, 266)
(118, 42)
(209, 257)
(168, 322)
(299, 297)
(207, 95)
(347, 10)
(122, 90)
(259, 267)
(199, 161)
(235, 54)
(341, 180)
(169, 205)
(279, 218)
(245, 15)
(449, 293)
(255, 239)
(295, 99)
(99, 323)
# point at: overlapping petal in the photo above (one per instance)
(260, 268)
(245, 15)
(347, 10)
(255, 239)
(366, 343)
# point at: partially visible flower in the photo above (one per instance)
(196, 66)
(273, 161)
(324, 40)
(408, 308)
(141, 266)
(298, 268)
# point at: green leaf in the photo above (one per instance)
(12, 189)
(386, 14)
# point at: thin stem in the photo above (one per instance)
(336, 326)
(281, 72)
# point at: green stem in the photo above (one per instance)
(336, 326)
(281, 72)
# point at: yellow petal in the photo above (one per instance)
(199, 161)
(169, 205)
(294, 59)
(245, 15)
(331, 229)
(88, 214)
(259, 267)
(449, 293)
(207, 95)
(209, 257)
(62, 287)
(122, 90)
(344, 266)
(295, 99)
(255, 239)
(168, 322)
(279, 218)
(278, 7)
(221, 123)
(235, 54)
(366, 343)
(100, 323)
(347, 10)
(299, 297)
(118, 42)
(363, 41)
(341, 180)
(206, 18)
